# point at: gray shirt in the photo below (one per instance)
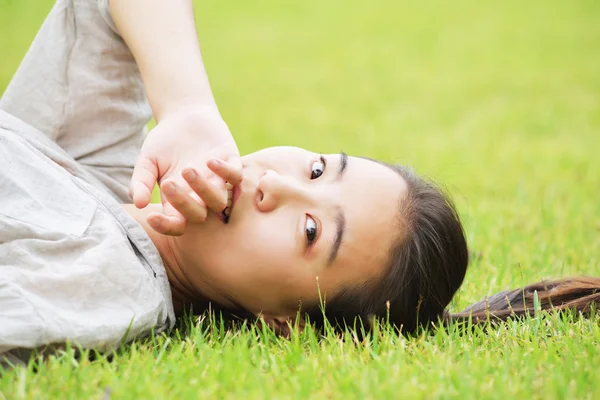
(74, 266)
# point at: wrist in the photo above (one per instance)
(186, 105)
(198, 117)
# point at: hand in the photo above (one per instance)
(179, 197)
(193, 142)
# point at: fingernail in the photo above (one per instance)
(154, 223)
(169, 188)
(215, 162)
(189, 175)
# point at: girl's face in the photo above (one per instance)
(302, 225)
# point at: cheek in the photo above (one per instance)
(262, 246)
(276, 260)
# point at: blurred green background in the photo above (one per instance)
(499, 101)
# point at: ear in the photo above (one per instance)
(283, 326)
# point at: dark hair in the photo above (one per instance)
(580, 294)
(427, 265)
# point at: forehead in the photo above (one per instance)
(370, 195)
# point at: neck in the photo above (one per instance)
(183, 291)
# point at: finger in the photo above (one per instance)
(193, 210)
(166, 225)
(214, 198)
(145, 174)
(231, 171)
(172, 222)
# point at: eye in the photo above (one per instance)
(317, 169)
(311, 230)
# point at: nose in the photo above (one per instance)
(274, 190)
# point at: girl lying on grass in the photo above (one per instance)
(272, 234)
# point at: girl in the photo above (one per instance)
(269, 234)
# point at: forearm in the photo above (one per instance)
(162, 36)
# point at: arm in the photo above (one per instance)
(162, 36)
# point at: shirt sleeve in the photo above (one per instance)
(79, 84)
(104, 9)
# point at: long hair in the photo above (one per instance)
(426, 267)
(579, 294)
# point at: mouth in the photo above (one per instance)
(233, 193)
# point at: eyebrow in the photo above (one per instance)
(340, 224)
(343, 165)
(340, 218)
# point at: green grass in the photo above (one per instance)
(500, 101)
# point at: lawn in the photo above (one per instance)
(499, 101)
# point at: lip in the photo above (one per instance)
(236, 193)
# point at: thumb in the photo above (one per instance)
(145, 175)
